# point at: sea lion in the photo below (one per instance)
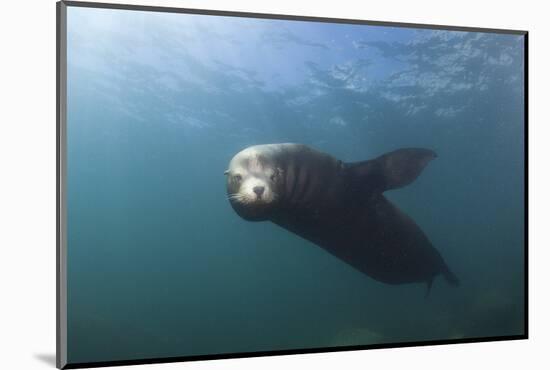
(339, 206)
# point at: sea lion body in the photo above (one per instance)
(340, 207)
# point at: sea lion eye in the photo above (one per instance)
(237, 178)
(275, 174)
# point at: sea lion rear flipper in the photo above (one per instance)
(429, 286)
(450, 277)
(392, 170)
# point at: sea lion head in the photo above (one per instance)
(254, 183)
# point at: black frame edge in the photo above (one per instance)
(225, 356)
(227, 13)
(61, 115)
(526, 179)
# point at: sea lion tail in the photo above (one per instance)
(450, 276)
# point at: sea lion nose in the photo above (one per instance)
(259, 190)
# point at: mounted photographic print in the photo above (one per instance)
(236, 184)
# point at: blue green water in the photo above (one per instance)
(160, 265)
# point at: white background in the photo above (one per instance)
(27, 183)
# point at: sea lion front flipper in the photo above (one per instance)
(391, 170)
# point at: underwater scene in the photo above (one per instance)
(395, 214)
